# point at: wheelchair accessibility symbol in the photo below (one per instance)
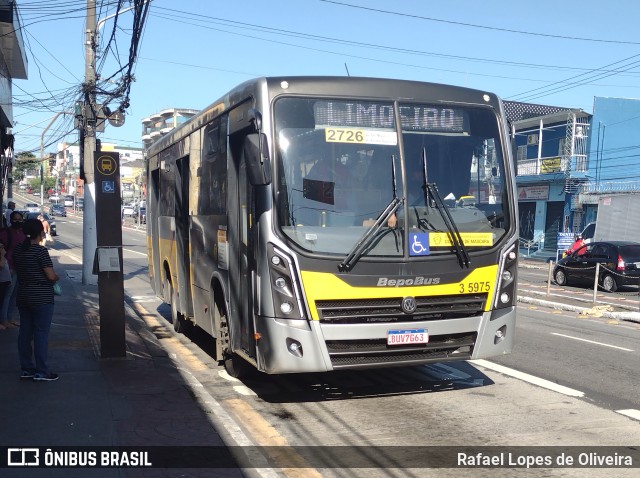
(419, 243)
(108, 186)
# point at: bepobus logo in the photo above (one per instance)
(23, 457)
(419, 280)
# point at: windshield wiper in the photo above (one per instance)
(430, 189)
(370, 234)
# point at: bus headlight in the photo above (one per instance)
(284, 286)
(506, 292)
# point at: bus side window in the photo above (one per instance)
(213, 169)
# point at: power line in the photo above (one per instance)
(484, 27)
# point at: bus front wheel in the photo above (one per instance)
(236, 366)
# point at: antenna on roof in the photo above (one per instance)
(347, 68)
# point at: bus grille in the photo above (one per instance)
(367, 353)
(361, 311)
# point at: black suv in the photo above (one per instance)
(619, 265)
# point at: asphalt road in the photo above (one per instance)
(570, 381)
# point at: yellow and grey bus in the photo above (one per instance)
(312, 224)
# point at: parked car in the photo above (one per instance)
(127, 210)
(57, 210)
(619, 265)
(32, 207)
(80, 204)
(68, 201)
(47, 217)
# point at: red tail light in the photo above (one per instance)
(620, 264)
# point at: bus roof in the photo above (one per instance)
(341, 86)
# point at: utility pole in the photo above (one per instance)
(89, 237)
(57, 115)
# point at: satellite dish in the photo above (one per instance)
(116, 118)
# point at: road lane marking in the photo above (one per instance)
(631, 413)
(218, 415)
(528, 378)
(592, 342)
(136, 252)
(291, 463)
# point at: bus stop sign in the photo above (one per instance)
(108, 258)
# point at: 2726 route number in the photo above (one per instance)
(344, 135)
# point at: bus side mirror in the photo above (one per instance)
(256, 154)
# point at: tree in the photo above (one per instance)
(23, 164)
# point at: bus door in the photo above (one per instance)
(182, 235)
(240, 205)
(153, 242)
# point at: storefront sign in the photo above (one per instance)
(533, 193)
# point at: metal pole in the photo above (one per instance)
(549, 277)
(595, 282)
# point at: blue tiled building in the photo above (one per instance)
(550, 147)
(614, 153)
(567, 160)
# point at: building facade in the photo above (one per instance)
(158, 124)
(551, 152)
(13, 65)
(568, 161)
(614, 154)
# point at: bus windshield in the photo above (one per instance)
(340, 163)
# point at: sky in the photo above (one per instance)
(193, 51)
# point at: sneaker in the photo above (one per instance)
(48, 377)
(27, 374)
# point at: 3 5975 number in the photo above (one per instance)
(475, 287)
(344, 135)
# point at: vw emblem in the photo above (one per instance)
(409, 305)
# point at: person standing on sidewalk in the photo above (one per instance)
(35, 302)
(47, 229)
(5, 278)
(11, 237)
(7, 214)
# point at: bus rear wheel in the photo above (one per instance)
(180, 324)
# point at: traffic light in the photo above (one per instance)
(52, 160)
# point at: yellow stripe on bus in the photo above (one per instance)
(327, 286)
(470, 239)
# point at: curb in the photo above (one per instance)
(624, 316)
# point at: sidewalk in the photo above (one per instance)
(140, 400)
(629, 311)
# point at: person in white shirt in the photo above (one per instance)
(11, 206)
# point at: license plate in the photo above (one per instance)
(407, 337)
